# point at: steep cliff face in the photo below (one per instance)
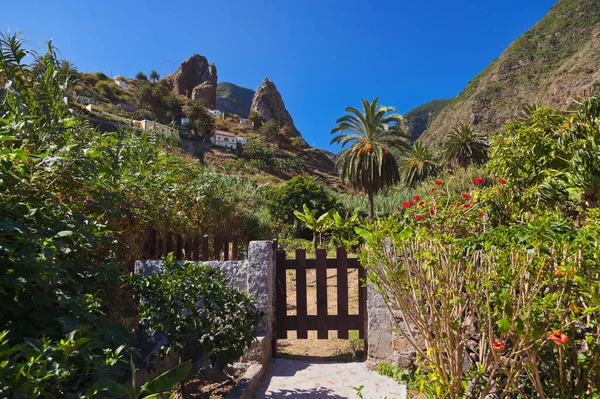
(196, 78)
(268, 104)
(554, 63)
(418, 119)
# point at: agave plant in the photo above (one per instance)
(465, 146)
(417, 164)
(368, 164)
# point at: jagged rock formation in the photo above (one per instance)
(268, 104)
(197, 79)
(554, 63)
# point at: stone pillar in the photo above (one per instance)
(261, 284)
(379, 327)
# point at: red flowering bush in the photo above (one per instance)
(526, 298)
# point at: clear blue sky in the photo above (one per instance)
(322, 55)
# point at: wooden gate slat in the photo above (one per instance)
(362, 301)
(342, 294)
(281, 296)
(322, 329)
(301, 297)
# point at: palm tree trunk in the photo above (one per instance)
(371, 204)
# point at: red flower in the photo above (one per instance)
(477, 180)
(498, 346)
(558, 337)
(407, 204)
(397, 209)
(465, 196)
(438, 182)
(467, 205)
(416, 198)
(480, 213)
(421, 203)
(419, 217)
(433, 189)
(433, 211)
(502, 181)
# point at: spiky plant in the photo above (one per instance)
(465, 146)
(368, 164)
(154, 76)
(417, 164)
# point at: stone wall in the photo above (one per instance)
(256, 276)
(196, 148)
(385, 333)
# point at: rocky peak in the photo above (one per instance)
(268, 104)
(196, 78)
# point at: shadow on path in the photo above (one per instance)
(300, 394)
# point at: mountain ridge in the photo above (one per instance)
(554, 63)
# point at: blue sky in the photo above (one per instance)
(322, 55)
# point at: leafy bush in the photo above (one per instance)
(101, 76)
(206, 312)
(105, 89)
(520, 302)
(292, 195)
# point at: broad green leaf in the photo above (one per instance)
(168, 380)
(504, 326)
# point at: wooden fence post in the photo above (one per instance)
(234, 248)
(169, 243)
(196, 250)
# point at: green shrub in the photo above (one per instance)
(105, 89)
(101, 76)
(292, 195)
(208, 313)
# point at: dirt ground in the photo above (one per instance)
(332, 349)
(209, 384)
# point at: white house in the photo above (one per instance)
(157, 127)
(241, 140)
(224, 139)
(120, 83)
(244, 121)
(215, 112)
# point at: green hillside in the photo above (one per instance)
(234, 99)
(419, 118)
(555, 63)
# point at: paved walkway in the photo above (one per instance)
(298, 379)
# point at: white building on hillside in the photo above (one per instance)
(215, 112)
(224, 139)
(155, 126)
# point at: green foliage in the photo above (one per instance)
(158, 99)
(464, 146)
(292, 195)
(45, 368)
(105, 89)
(315, 223)
(141, 76)
(207, 313)
(201, 123)
(367, 164)
(551, 160)
(417, 164)
(101, 76)
(154, 76)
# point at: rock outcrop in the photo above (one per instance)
(197, 79)
(268, 104)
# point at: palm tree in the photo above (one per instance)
(141, 76)
(154, 76)
(465, 146)
(368, 164)
(417, 164)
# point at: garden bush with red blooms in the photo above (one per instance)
(521, 302)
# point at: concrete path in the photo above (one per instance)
(297, 379)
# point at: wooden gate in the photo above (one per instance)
(322, 322)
